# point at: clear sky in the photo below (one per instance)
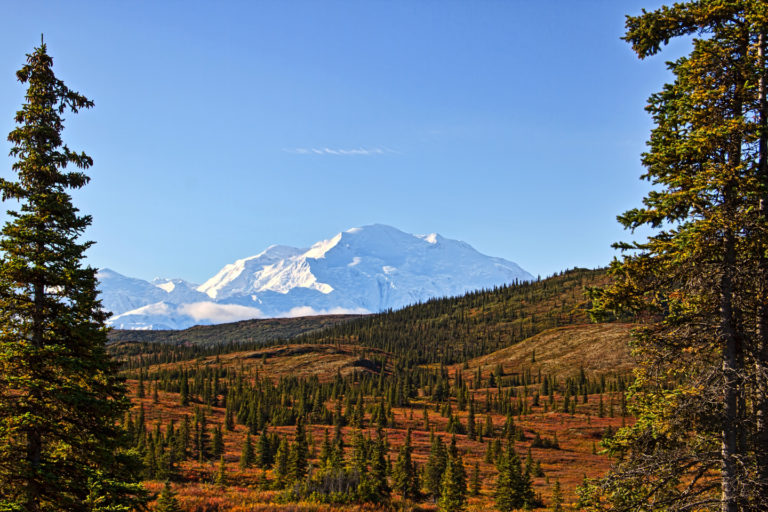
(223, 127)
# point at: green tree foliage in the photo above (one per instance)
(247, 456)
(453, 496)
(378, 466)
(266, 451)
(166, 502)
(471, 432)
(221, 473)
(514, 489)
(476, 484)
(281, 463)
(217, 444)
(299, 453)
(184, 393)
(557, 498)
(700, 281)
(60, 397)
(404, 472)
(436, 464)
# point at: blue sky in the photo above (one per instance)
(223, 127)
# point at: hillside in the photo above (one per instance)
(246, 331)
(456, 329)
(446, 330)
(324, 362)
(527, 371)
(553, 414)
(597, 349)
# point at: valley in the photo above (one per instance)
(525, 368)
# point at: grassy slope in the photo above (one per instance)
(597, 348)
(301, 360)
(242, 332)
(456, 329)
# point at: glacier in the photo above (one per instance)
(361, 270)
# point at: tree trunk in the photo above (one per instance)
(761, 349)
(34, 437)
(729, 339)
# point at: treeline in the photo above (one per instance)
(456, 329)
(245, 331)
(444, 330)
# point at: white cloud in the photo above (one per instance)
(219, 313)
(310, 311)
(340, 152)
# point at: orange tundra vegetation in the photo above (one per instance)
(563, 386)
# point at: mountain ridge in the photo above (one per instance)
(360, 270)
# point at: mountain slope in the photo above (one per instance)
(595, 348)
(444, 330)
(258, 331)
(361, 270)
(453, 329)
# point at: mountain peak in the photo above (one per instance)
(362, 269)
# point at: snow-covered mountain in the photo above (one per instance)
(360, 270)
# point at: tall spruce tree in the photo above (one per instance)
(513, 487)
(246, 454)
(299, 453)
(435, 467)
(453, 496)
(701, 279)
(404, 472)
(378, 462)
(60, 396)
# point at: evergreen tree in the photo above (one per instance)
(557, 498)
(265, 451)
(184, 390)
(702, 393)
(436, 463)
(475, 485)
(513, 487)
(60, 397)
(201, 439)
(471, 421)
(281, 463)
(246, 455)
(221, 473)
(183, 439)
(404, 472)
(140, 390)
(150, 463)
(359, 453)
(378, 465)
(453, 496)
(336, 460)
(229, 421)
(326, 448)
(166, 502)
(297, 461)
(217, 444)
(488, 429)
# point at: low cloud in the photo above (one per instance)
(310, 311)
(219, 313)
(340, 152)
